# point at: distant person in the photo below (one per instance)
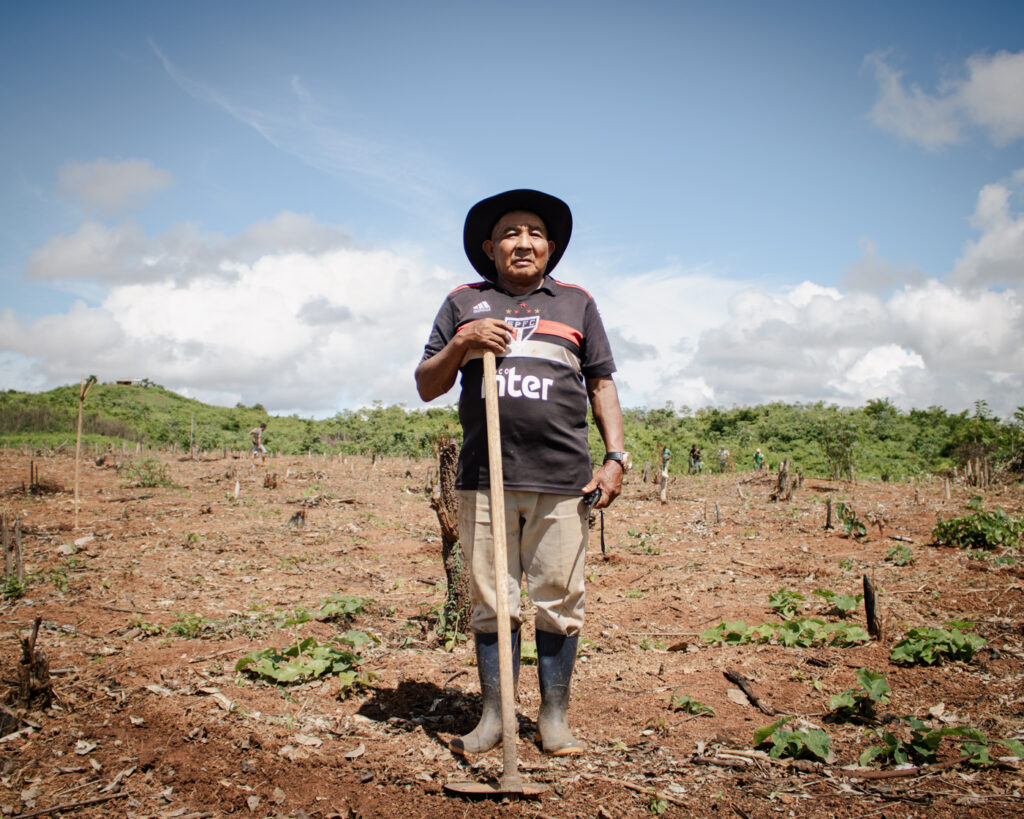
(723, 458)
(758, 461)
(695, 462)
(257, 442)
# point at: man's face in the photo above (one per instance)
(520, 248)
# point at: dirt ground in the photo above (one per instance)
(159, 724)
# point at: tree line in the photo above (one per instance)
(877, 440)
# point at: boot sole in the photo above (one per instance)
(464, 752)
(568, 750)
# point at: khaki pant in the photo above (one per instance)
(546, 537)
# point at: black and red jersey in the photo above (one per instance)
(559, 342)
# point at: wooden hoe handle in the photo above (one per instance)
(510, 779)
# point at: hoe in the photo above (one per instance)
(510, 783)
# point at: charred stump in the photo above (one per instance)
(871, 609)
(34, 687)
(445, 503)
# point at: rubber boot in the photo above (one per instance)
(556, 657)
(487, 733)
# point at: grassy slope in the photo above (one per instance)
(885, 442)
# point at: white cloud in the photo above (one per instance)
(319, 331)
(927, 344)
(123, 253)
(291, 314)
(112, 186)
(997, 257)
(993, 95)
(661, 314)
(874, 274)
(987, 95)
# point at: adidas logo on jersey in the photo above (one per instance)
(482, 307)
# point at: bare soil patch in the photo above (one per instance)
(161, 723)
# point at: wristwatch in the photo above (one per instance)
(625, 461)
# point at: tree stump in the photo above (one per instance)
(445, 503)
(785, 484)
(34, 687)
(871, 609)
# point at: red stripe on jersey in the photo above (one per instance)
(574, 286)
(559, 330)
(474, 286)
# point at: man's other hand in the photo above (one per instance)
(609, 480)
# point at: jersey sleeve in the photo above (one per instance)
(597, 352)
(442, 331)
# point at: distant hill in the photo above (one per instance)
(879, 440)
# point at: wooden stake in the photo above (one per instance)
(6, 546)
(828, 514)
(871, 609)
(82, 392)
(718, 513)
(19, 562)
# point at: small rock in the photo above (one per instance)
(290, 752)
(29, 796)
(253, 802)
(277, 797)
(357, 752)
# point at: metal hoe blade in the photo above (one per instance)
(468, 788)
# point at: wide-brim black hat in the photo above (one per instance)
(484, 215)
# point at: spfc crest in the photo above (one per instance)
(523, 327)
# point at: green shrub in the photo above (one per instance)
(840, 604)
(793, 744)
(982, 530)
(188, 625)
(785, 602)
(861, 705)
(146, 473)
(852, 525)
(688, 705)
(900, 555)
(307, 660)
(922, 745)
(927, 646)
(800, 632)
(13, 588)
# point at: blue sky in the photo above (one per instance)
(260, 202)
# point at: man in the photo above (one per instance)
(257, 442)
(553, 355)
